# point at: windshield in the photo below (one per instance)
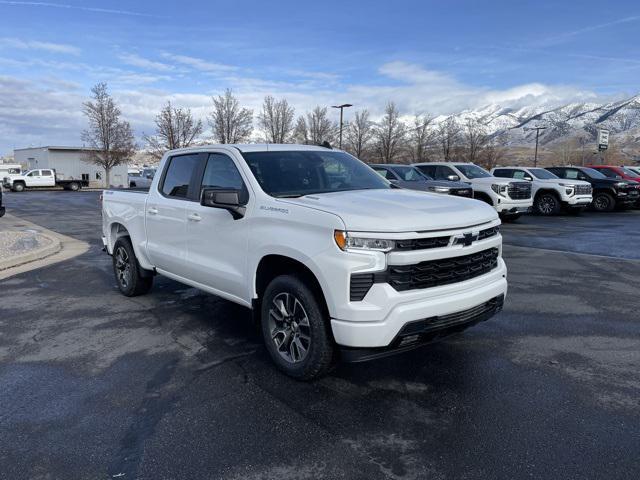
(593, 173)
(630, 173)
(472, 171)
(409, 174)
(302, 172)
(542, 174)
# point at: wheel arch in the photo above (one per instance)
(552, 191)
(273, 265)
(483, 197)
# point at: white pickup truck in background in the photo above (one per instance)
(510, 198)
(42, 178)
(334, 261)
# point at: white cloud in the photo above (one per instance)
(16, 43)
(77, 7)
(138, 61)
(199, 63)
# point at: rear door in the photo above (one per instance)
(166, 213)
(47, 178)
(216, 242)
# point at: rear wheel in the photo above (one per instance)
(74, 186)
(132, 279)
(603, 202)
(547, 204)
(295, 329)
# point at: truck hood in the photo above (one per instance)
(399, 210)
(558, 181)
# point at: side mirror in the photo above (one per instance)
(453, 178)
(149, 176)
(225, 199)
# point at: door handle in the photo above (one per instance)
(194, 217)
(152, 211)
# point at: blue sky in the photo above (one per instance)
(429, 57)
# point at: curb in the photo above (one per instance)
(38, 254)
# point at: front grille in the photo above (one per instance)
(488, 232)
(519, 190)
(462, 192)
(583, 190)
(435, 273)
(422, 243)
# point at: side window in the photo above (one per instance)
(33, 173)
(427, 170)
(571, 174)
(222, 173)
(47, 173)
(608, 172)
(381, 171)
(503, 173)
(519, 174)
(443, 172)
(178, 177)
(388, 174)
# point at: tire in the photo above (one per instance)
(132, 184)
(603, 202)
(18, 187)
(132, 280)
(74, 186)
(295, 329)
(547, 204)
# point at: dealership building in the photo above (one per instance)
(69, 163)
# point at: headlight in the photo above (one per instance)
(500, 189)
(348, 242)
(621, 184)
(440, 189)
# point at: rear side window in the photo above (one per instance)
(47, 173)
(178, 177)
(443, 173)
(503, 173)
(427, 170)
(608, 172)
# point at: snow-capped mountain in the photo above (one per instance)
(621, 118)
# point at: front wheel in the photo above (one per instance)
(132, 279)
(18, 187)
(603, 202)
(295, 329)
(547, 204)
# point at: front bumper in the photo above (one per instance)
(417, 305)
(514, 206)
(578, 200)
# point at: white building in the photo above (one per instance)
(69, 163)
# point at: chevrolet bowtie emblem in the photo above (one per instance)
(466, 239)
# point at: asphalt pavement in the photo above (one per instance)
(176, 384)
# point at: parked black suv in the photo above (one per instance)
(608, 193)
(409, 177)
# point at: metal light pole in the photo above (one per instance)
(341, 107)
(537, 129)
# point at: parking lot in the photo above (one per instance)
(176, 384)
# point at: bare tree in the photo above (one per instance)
(301, 131)
(449, 135)
(230, 122)
(494, 151)
(321, 129)
(475, 138)
(422, 137)
(276, 120)
(175, 128)
(111, 138)
(359, 134)
(390, 134)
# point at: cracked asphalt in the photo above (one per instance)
(176, 384)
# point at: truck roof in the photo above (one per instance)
(256, 147)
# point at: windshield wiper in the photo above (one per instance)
(296, 195)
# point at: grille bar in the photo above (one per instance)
(519, 190)
(583, 190)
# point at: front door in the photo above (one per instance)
(166, 213)
(216, 242)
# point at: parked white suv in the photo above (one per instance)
(510, 198)
(550, 192)
(331, 257)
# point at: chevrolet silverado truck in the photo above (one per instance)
(608, 193)
(510, 198)
(550, 192)
(45, 178)
(335, 262)
(407, 176)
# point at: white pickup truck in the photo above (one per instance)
(510, 198)
(334, 260)
(42, 178)
(550, 192)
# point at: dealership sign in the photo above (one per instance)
(603, 139)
